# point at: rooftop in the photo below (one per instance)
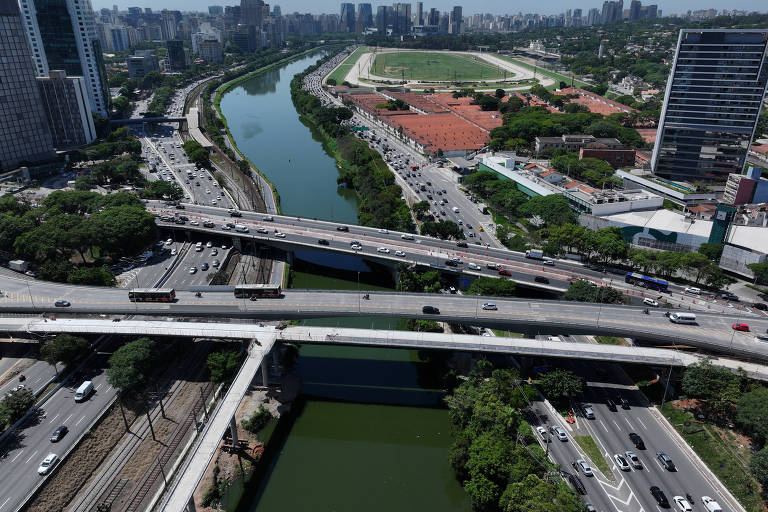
(663, 220)
(594, 102)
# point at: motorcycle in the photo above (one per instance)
(366, 297)
(198, 294)
(646, 311)
(22, 378)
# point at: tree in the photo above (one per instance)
(130, 364)
(223, 365)
(16, 404)
(560, 384)
(554, 209)
(65, 349)
(760, 270)
(424, 325)
(500, 93)
(711, 251)
(585, 291)
(197, 153)
(752, 414)
(331, 81)
(758, 466)
(163, 189)
(420, 209)
(491, 286)
(715, 384)
(257, 421)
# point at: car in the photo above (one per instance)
(493, 266)
(760, 306)
(382, 230)
(400, 254)
(215, 263)
(504, 272)
(584, 467)
(59, 433)
(169, 241)
(48, 463)
(710, 504)
(342, 228)
(430, 310)
(194, 223)
(61, 303)
(214, 251)
(489, 306)
(666, 461)
(558, 432)
(623, 401)
(740, 327)
(192, 270)
(226, 227)
(235, 213)
(541, 279)
(589, 507)
(462, 244)
(451, 263)
(204, 266)
(209, 224)
(383, 250)
(637, 441)
(323, 241)
(621, 462)
(209, 244)
(729, 296)
(682, 504)
(543, 433)
(693, 290)
(611, 405)
(659, 496)
(588, 412)
(263, 231)
(268, 218)
(473, 266)
(174, 252)
(280, 234)
(650, 302)
(633, 459)
(356, 247)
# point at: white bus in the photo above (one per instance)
(682, 318)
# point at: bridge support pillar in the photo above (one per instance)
(264, 372)
(289, 257)
(276, 359)
(233, 430)
(190, 505)
(236, 243)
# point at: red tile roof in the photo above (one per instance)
(595, 102)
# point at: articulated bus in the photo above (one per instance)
(152, 295)
(647, 282)
(247, 291)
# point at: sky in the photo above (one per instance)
(470, 6)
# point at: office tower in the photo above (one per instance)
(401, 18)
(66, 105)
(456, 21)
(24, 133)
(168, 24)
(712, 102)
(276, 11)
(577, 18)
(444, 23)
(593, 18)
(141, 63)
(62, 35)
(434, 17)
(634, 10)
(612, 11)
(650, 11)
(420, 13)
(210, 50)
(383, 18)
(348, 17)
(252, 12)
(134, 11)
(177, 59)
(215, 10)
(364, 17)
(244, 37)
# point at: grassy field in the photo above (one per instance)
(340, 73)
(557, 77)
(435, 66)
(610, 340)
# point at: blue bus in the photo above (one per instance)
(647, 282)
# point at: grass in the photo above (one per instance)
(340, 73)
(720, 455)
(593, 452)
(435, 66)
(610, 340)
(557, 77)
(507, 334)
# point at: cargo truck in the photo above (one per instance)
(18, 265)
(535, 254)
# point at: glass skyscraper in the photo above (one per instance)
(712, 103)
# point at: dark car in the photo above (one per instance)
(761, 306)
(541, 279)
(430, 310)
(62, 304)
(342, 228)
(666, 461)
(204, 266)
(729, 296)
(59, 433)
(179, 206)
(637, 441)
(323, 241)
(450, 263)
(235, 213)
(209, 224)
(623, 401)
(660, 497)
(461, 244)
(611, 405)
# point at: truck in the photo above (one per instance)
(85, 389)
(534, 254)
(18, 265)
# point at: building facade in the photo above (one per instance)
(177, 57)
(712, 103)
(211, 50)
(24, 133)
(141, 63)
(65, 100)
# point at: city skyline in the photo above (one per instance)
(469, 8)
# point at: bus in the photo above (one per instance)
(647, 282)
(152, 295)
(247, 291)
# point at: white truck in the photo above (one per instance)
(85, 389)
(18, 265)
(535, 254)
(710, 504)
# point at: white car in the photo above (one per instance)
(621, 462)
(383, 250)
(682, 504)
(473, 266)
(693, 290)
(543, 433)
(280, 234)
(558, 432)
(633, 459)
(383, 231)
(650, 302)
(192, 270)
(710, 504)
(584, 467)
(356, 247)
(489, 306)
(48, 463)
(209, 244)
(174, 252)
(400, 253)
(168, 242)
(194, 223)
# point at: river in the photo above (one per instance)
(369, 430)
(267, 129)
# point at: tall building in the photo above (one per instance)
(364, 17)
(383, 18)
(712, 102)
(401, 18)
(456, 21)
(434, 17)
(210, 50)
(593, 17)
(24, 133)
(215, 10)
(177, 57)
(141, 63)
(420, 13)
(168, 24)
(251, 12)
(62, 35)
(634, 10)
(66, 105)
(348, 17)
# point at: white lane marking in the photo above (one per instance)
(78, 421)
(603, 424)
(17, 456)
(617, 425)
(54, 418)
(30, 457)
(66, 420)
(628, 423)
(641, 422)
(6, 501)
(97, 387)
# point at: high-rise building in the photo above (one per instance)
(67, 108)
(364, 17)
(456, 20)
(712, 103)
(383, 18)
(348, 17)
(168, 24)
(141, 63)
(215, 10)
(593, 18)
(252, 12)
(434, 17)
(420, 13)
(401, 18)
(634, 10)
(177, 57)
(62, 35)
(24, 133)
(210, 50)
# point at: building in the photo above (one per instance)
(573, 143)
(401, 18)
(710, 106)
(245, 38)
(617, 157)
(211, 51)
(348, 17)
(739, 189)
(24, 133)
(167, 24)
(141, 63)
(177, 57)
(683, 194)
(364, 17)
(420, 13)
(62, 35)
(456, 21)
(215, 10)
(251, 12)
(65, 100)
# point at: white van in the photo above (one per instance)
(406, 237)
(682, 318)
(455, 210)
(241, 228)
(85, 389)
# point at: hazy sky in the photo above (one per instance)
(470, 6)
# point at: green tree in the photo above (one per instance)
(331, 82)
(130, 364)
(752, 414)
(223, 365)
(585, 291)
(758, 466)
(424, 325)
(714, 384)
(257, 421)
(16, 404)
(711, 251)
(420, 208)
(163, 189)
(553, 209)
(500, 93)
(197, 153)
(65, 349)
(491, 286)
(760, 270)
(560, 384)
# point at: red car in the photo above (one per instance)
(505, 272)
(740, 327)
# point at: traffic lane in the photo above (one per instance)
(35, 376)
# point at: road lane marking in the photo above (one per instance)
(30, 457)
(603, 424)
(628, 423)
(17, 456)
(78, 421)
(66, 420)
(6, 501)
(641, 422)
(54, 418)
(617, 425)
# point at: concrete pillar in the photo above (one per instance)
(233, 430)
(264, 372)
(190, 505)
(236, 243)
(276, 359)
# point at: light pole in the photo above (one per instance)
(30, 295)
(358, 292)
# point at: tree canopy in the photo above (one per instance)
(65, 348)
(130, 364)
